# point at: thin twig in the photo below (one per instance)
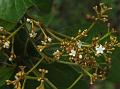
(106, 35)
(23, 86)
(33, 78)
(12, 34)
(51, 84)
(60, 34)
(53, 35)
(73, 84)
(35, 65)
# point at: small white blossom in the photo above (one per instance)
(80, 56)
(33, 34)
(10, 59)
(56, 52)
(49, 39)
(43, 42)
(40, 47)
(1, 28)
(73, 53)
(99, 49)
(29, 20)
(6, 44)
(3, 37)
(79, 30)
(79, 44)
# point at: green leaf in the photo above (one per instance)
(114, 74)
(43, 6)
(5, 74)
(41, 10)
(11, 12)
(62, 76)
(109, 2)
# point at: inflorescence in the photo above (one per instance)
(93, 58)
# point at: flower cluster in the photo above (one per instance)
(87, 54)
(93, 58)
(44, 44)
(101, 13)
(4, 43)
(18, 78)
(12, 57)
(21, 75)
(32, 33)
(57, 54)
(42, 78)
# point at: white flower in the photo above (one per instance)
(79, 44)
(43, 42)
(56, 52)
(49, 39)
(79, 30)
(80, 56)
(1, 28)
(29, 20)
(33, 34)
(40, 47)
(10, 59)
(73, 53)
(99, 49)
(6, 44)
